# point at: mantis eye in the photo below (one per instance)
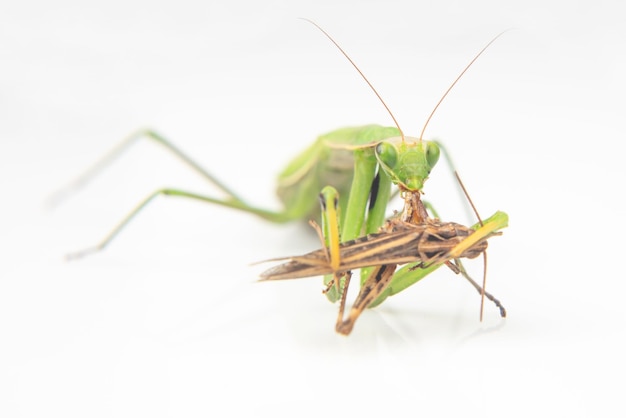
(432, 153)
(387, 154)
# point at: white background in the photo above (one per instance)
(169, 320)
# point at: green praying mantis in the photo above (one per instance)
(355, 169)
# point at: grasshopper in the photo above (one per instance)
(426, 246)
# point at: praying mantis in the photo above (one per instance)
(355, 168)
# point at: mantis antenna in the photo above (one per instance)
(360, 72)
(457, 79)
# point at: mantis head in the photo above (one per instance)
(407, 162)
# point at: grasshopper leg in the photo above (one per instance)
(374, 285)
(331, 238)
(458, 268)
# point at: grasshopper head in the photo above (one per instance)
(408, 163)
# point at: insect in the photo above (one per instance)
(426, 246)
(355, 168)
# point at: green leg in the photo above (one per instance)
(364, 173)
(117, 152)
(172, 192)
(232, 200)
(376, 213)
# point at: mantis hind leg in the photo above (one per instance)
(165, 192)
(122, 148)
(232, 199)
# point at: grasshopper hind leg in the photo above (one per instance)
(458, 268)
